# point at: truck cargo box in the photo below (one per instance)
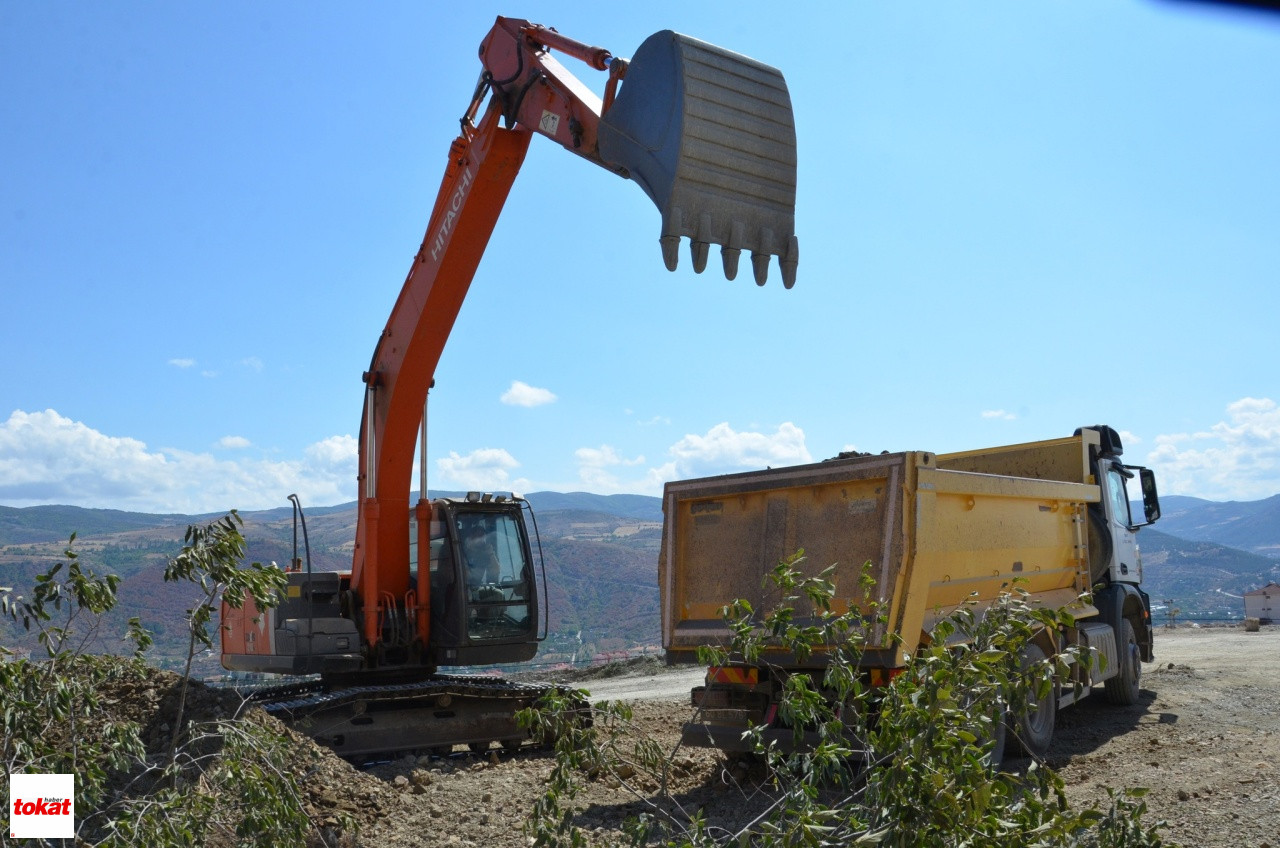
(936, 531)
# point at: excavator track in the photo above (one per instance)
(427, 716)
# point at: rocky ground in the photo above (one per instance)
(1204, 739)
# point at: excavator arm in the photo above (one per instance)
(707, 134)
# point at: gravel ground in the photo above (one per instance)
(1204, 739)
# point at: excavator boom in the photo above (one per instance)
(706, 133)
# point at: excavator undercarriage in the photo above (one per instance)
(429, 716)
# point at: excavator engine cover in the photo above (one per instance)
(710, 137)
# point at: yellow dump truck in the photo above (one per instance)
(938, 530)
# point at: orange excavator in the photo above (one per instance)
(709, 136)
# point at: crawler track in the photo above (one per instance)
(431, 715)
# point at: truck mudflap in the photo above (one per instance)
(710, 136)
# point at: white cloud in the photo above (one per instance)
(253, 363)
(1236, 459)
(182, 363)
(335, 452)
(233, 442)
(721, 450)
(46, 458)
(523, 394)
(594, 466)
(486, 469)
(998, 414)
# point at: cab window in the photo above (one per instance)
(1119, 497)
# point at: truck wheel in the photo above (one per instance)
(1033, 727)
(1123, 688)
(996, 756)
(993, 732)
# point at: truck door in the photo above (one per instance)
(1126, 564)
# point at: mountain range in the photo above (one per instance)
(1252, 526)
(600, 553)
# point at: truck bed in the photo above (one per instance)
(932, 537)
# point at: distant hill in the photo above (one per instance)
(1203, 579)
(640, 507)
(601, 557)
(57, 523)
(1248, 525)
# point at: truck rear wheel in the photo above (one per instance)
(992, 732)
(1033, 726)
(1123, 689)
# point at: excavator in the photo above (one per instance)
(709, 136)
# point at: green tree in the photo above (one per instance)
(230, 782)
(211, 557)
(51, 720)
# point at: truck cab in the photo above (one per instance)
(1118, 523)
(1115, 560)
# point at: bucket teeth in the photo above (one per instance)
(760, 265)
(730, 256)
(732, 250)
(789, 261)
(700, 243)
(710, 137)
(698, 250)
(670, 238)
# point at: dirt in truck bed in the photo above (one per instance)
(1204, 738)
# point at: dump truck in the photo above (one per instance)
(708, 134)
(936, 531)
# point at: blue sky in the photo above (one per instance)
(1015, 218)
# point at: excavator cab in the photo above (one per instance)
(484, 601)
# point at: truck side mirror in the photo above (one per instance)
(1150, 500)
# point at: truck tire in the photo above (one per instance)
(1032, 727)
(996, 757)
(1123, 689)
(994, 732)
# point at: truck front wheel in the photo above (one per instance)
(1124, 687)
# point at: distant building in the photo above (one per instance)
(1263, 604)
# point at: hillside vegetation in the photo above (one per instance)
(601, 559)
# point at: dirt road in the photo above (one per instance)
(1204, 739)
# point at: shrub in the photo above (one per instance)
(914, 763)
(229, 781)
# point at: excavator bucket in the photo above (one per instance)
(710, 137)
